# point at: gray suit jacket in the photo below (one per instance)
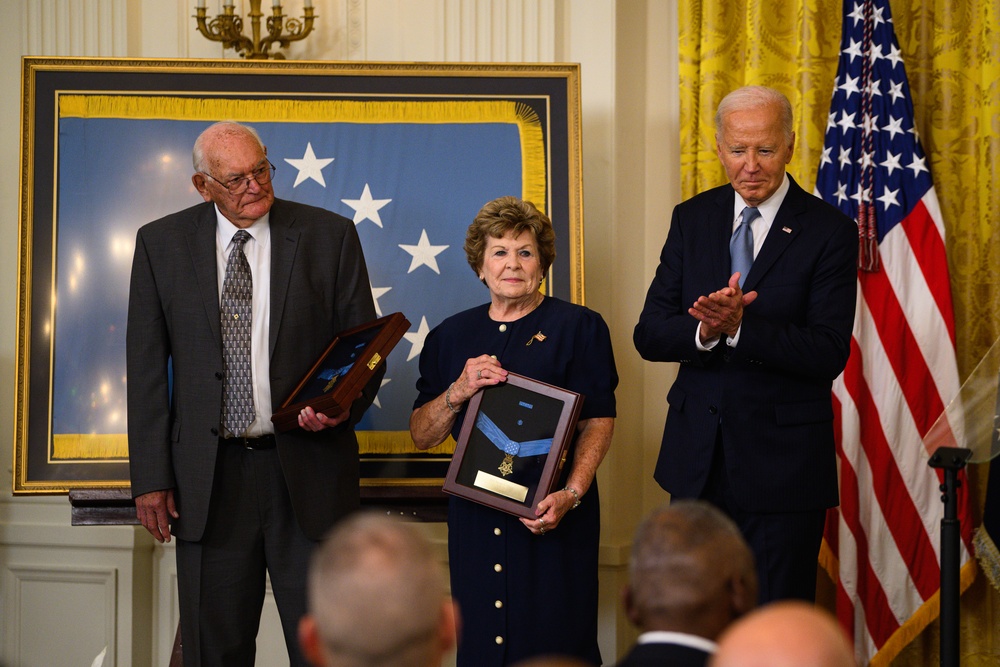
(319, 287)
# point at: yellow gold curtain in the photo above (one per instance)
(951, 49)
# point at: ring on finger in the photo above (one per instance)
(479, 374)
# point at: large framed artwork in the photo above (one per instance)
(409, 151)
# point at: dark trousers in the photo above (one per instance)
(251, 531)
(785, 545)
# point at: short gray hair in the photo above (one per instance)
(755, 97)
(376, 591)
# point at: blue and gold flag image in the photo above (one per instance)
(410, 174)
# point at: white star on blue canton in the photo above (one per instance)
(894, 127)
(896, 91)
(850, 86)
(845, 157)
(895, 56)
(309, 166)
(841, 193)
(853, 50)
(918, 165)
(424, 254)
(846, 121)
(416, 339)
(366, 208)
(376, 293)
(858, 14)
(888, 197)
(891, 162)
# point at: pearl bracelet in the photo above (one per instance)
(576, 496)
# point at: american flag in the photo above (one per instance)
(883, 542)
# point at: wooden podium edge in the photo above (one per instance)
(115, 507)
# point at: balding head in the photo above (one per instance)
(690, 571)
(785, 634)
(377, 596)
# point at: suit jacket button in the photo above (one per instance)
(215, 432)
(218, 376)
(712, 410)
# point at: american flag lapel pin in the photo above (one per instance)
(538, 336)
(787, 230)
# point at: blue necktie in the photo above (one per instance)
(741, 244)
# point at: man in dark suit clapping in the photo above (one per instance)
(690, 575)
(754, 296)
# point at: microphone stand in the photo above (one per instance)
(951, 460)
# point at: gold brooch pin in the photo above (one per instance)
(538, 336)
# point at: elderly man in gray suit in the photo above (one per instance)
(206, 465)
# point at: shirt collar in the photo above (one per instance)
(682, 638)
(769, 207)
(259, 230)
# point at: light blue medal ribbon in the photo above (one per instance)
(510, 448)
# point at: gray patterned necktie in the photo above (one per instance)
(741, 244)
(237, 295)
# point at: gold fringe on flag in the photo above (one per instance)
(534, 183)
(89, 447)
(397, 442)
(114, 446)
(928, 612)
(988, 555)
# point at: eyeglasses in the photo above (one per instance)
(237, 186)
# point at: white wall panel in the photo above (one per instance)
(75, 27)
(59, 615)
(499, 30)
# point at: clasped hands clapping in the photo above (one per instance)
(721, 312)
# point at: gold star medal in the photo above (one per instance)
(507, 466)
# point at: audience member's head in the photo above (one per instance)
(377, 596)
(785, 634)
(690, 571)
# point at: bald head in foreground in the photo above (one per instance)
(377, 597)
(691, 574)
(785, 634)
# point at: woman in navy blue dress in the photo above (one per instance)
(525, 587)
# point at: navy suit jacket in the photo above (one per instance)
(319, 287)
(770, 396)
(657, 654)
